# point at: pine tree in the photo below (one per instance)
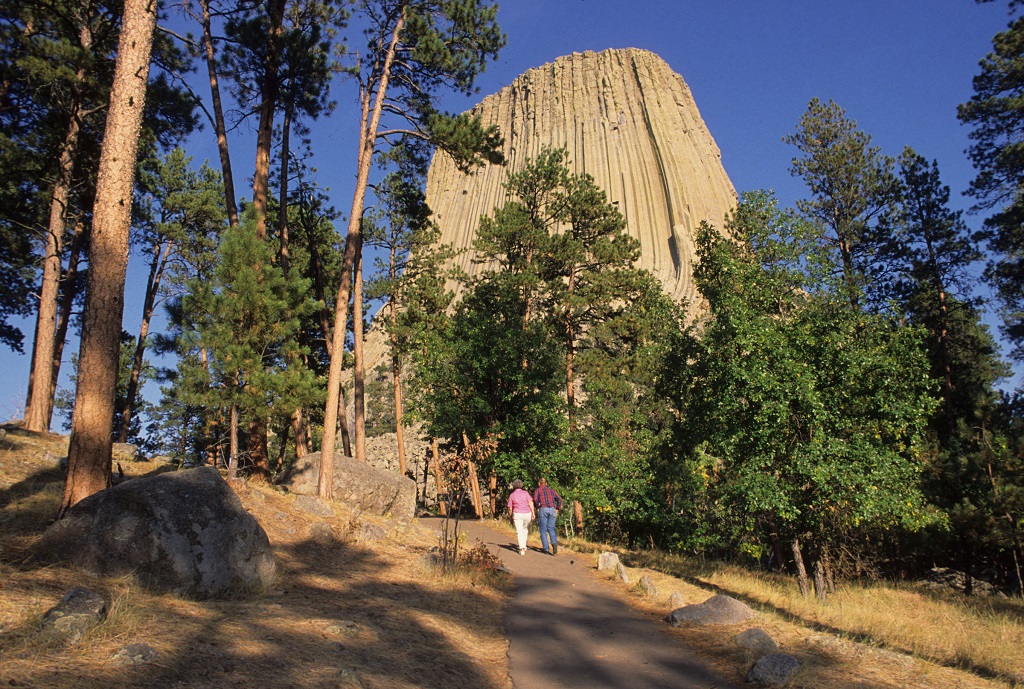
(994, 112)
(89, 451)
(415, 49)
(851, 185)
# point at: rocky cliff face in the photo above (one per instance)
(627, 120)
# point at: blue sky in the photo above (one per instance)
(899, 68)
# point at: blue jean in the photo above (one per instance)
(546, 517)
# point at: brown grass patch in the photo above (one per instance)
(343, 613)
(865, 636)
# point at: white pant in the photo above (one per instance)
(522, 521)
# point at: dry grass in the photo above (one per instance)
(865, 636)
(343, 614)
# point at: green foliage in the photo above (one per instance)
(443, 46)
(994, 112)
(850, 182)
(800, 415)
(240, 327)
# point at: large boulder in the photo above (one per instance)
(357, 485)
(185, 532)
(718, 609)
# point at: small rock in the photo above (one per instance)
(313, 505)
(76, 612)
(135, 654)
(124, 452)
(621, 573)
(607, 561)
(647, 587)
(676, 600)
(773, 670)
(370, 533)
(321, 533)
(756, 640)
(718, 609)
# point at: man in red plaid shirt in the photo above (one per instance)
(548, 503)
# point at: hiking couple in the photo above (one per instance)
(543, 505)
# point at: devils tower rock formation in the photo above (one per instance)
(627, 120)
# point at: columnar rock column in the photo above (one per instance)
(627, 120)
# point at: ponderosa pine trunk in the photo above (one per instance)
(268, 105)
(435, 456)
(358, 367)
(219, 123)
(89, 451)
(396, 371)
(39, 401)
(68, 293)
(156, 273)
(369, 124)
(233, 443)
(282, 197)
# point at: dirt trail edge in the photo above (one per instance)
(567, 629)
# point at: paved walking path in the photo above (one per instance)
(567, 629)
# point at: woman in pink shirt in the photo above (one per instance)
(520, 508)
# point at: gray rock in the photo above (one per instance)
(676, 600)
(946, 578)
(773, 670)
(622, 573)
(607, 561)
(124, 452)
(321, 533)
(135, 654)
(313, 505)
(185, 532)
(357, 485)
(757, 641)
(78, 611)
(718, 609)
(647, 586)
(370, 533)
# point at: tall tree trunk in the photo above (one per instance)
(219, 123)
(268, 105)
(38, 402)
(90, 446)
(474, 489)
(396, 382)
(257, 446)
(944, 355)
(435, 457)
(358, 370)
(369, 123)
(233, 444)
(820, 586)
(801, 571)
(156, 273)
(67, 300)
(301, 433)
(282, 202)
(396, 379)
(325, 326)
(492, 493)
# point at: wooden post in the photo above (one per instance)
(577, 515)
(492, 489)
